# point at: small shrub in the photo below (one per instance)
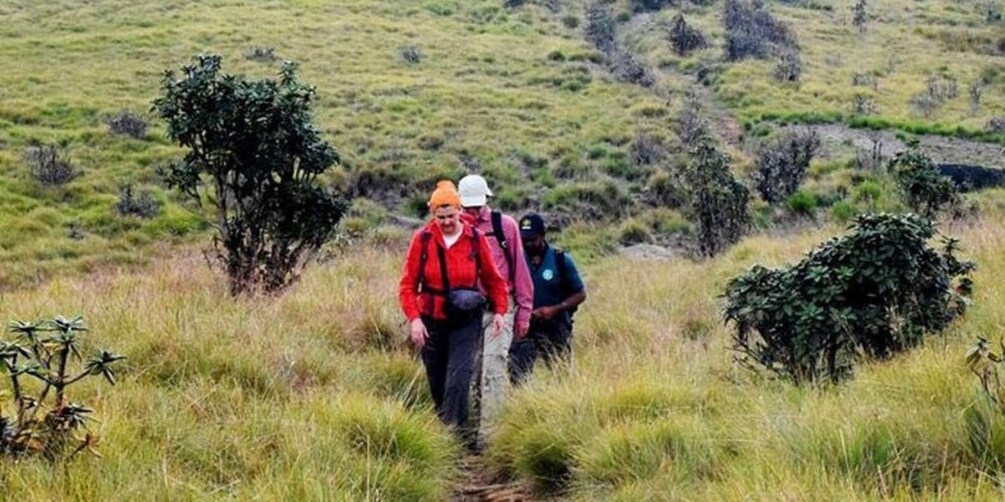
(992, 11)
(260, 53)
(634, 232)
(410, 54)
(43, 351)
(718, 202)
(690, 125)
(628, 68)
(752, 32)
(666, 189)
(938, 90)
(803, 203)
(925, 190)
(996, 125)
(126, 123)
(862, 80)
(863, 105)
(925, 104)
(875, 292)
(684, 39)
(872, 158)
(600, 26)
(651, 5)
(859, 16)
(976, 90)
(75, 232)
(143, 205)
(47, 167)
(942, 88)
(843, 212)
(570, 21)
(647, 150)
(789, 67)
(781, 166)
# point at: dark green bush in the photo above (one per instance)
(717, 201)
(140, 205)
(126, 123)
(48, 167)
(753, 33)
(600, 26)
(255, 158)
(925, 190)
(875, 292)
(781, 166)
(685, 39)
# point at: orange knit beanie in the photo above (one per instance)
(445, 195)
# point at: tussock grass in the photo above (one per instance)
(314, 394)
(651, 413)
(300, 396)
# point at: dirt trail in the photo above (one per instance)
(840, 141)
(478, 484)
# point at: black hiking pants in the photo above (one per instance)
(449, 357)
(547, 340)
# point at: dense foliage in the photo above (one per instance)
(875, 292)
(254, 157)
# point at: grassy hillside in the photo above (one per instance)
(517, 94)
(484, 95)
(904, 43)
(313, 395)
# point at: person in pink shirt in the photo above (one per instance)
(507, 253)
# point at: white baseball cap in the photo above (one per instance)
(473, 190)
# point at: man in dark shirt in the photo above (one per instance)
(558, 291)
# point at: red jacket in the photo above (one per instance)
(462, 270)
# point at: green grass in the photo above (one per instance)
(905, 42)
(500, 103)
(649, 410)
(527, 102)
(314, 394)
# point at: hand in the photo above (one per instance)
(497, 325)
(545, 313)
(521, 330)
(419, 334)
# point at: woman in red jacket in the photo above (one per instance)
(445, 315)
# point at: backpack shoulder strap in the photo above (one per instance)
(424, 257)
(476, 250)
(563, 269)
(500, 235)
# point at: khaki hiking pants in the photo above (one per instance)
(490, 372)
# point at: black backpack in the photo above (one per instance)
(500, 237)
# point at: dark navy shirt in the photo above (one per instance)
(549, 286)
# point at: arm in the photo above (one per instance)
(571, 301)
(408, 286)
(575, 284)
(495, 284)
(523, 284)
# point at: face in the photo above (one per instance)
(473, 211)
(448, 218)
(534, 245)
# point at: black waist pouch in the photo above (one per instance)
(463, 303)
